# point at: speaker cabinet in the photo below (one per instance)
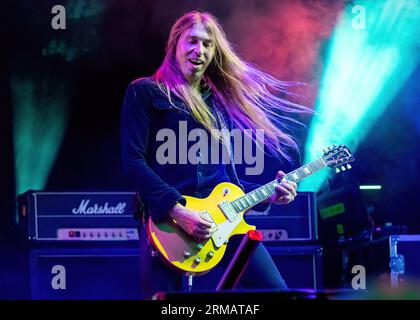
(85, 273)
(300, 266)
(67, 273)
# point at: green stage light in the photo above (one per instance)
(40, 117)
(364, 70)
(83, 35)
(79, 9)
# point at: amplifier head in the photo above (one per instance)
(294, 222)
(84, 216)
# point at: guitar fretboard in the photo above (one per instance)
(264, 192)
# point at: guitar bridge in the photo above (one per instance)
(228, 211)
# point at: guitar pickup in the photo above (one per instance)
(208, 215)
(228, 211)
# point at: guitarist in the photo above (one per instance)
(201, 84)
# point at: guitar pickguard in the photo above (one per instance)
(221, 235)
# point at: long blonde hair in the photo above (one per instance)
(251, 97)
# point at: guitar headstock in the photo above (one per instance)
(338, 157)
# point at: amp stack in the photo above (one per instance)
(84, 245)
(81, 245)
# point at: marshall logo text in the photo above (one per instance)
(84, 208)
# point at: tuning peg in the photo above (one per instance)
(324, 150)
(343, 168)
(335, 145)
(329, 148)
(348, 166)
(337, 170)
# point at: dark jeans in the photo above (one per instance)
(155, 275)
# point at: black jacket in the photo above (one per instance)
(146, 110)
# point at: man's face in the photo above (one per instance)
(194, 52)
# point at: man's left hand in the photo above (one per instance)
(286, 191)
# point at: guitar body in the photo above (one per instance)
(225, 206)
(181, 251)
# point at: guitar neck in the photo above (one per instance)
(264, 192)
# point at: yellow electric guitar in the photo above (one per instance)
(225, 206)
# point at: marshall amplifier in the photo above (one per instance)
(293, 222)
(82, 216)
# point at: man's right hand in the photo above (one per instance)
(196, 225)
